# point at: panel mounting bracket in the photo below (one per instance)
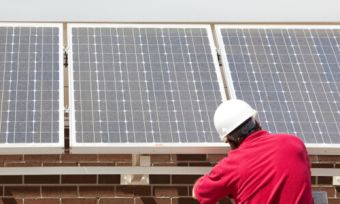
(137, 179)
(218, 51)
(66, 116)
(66, 109)
(65, 58)
(219, 56)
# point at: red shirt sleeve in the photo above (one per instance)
(215, 185)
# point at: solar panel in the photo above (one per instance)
(143, 88)
(291, 75)
(31, 89)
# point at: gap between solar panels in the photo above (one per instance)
(291, 75)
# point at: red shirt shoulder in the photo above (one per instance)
(264, 167)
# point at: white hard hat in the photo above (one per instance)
(230, 114)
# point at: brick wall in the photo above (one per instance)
(105, 189)
(98, 188)
(102, 189)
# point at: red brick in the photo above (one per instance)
(190, 189)
(313, 158)
(170, 191)
(173, 157)
(11, 180)
(322, 165)
(164, 164)
(79, 179)
(14, 164)
(200, 164)
(184, 179)
(160, 158)
(333, 200)
(182, 163)
(325, 180)
(60, 164)
(79, 158)
(133, 190)
(42, 201)
(22, 191)
(23, 164)
(330, 190)
(116, 201)
(159, 179)
(106, 164)
(96, 191)
(109, 179)
(42, 158)
(215, 157)
(114, 157)
(79, 201)
(329, 158)
(191, 157)
(11, 158)
(42, 179)
(11, 201)
(59, 191)
(95, 164)
(123, 164)
(1, 190)
(152, 200)
(184, 200)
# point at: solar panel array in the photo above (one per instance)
(143, 84)
(290, 75)
(30, 87)
(157, 84)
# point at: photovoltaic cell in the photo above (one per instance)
(135, 84)
(30, 85)
(290, 75)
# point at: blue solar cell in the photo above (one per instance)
(290, 75)
(29, 82)
(144, 85)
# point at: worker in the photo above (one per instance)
(261, 168)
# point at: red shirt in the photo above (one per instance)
(266, 168)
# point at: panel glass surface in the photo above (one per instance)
(291, 76)
(29, 85)
(144, 85)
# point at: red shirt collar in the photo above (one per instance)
(254, 135)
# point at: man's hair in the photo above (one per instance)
(243, 131)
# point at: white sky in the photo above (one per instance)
(171, 10)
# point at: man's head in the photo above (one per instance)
(234, 120)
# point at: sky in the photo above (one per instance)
(170, 10)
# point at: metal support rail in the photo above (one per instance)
(102, 170)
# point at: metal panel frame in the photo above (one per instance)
(42, 148)
(152, 148)
(312, 148)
